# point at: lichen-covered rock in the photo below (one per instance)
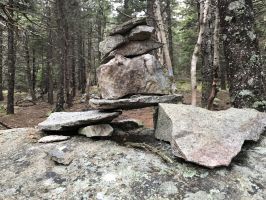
(135, 102)
(60, 121)
(208, 138)
(132, 49)
(142, 32)
(111, 42)
(124, 76)
(103, 169)
(100, 130)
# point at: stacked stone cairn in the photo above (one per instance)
(129, 78)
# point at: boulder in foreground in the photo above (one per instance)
(61, 121)
(124, 76)
(135, 102)
(208, 138)
(111, 43)
(100, 169)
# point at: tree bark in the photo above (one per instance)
(204, 8)
(28, 69)
(1, 64)
(207, 49)
(242, 53)
(170, 32)
(160, 22)
(11, 57)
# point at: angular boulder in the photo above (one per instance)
(124, 76)
(101, 130)
(208, 138)
(142, 32)
(61, 121)
(132, 49)
(111, 43)
(127, 26)
(135, 102)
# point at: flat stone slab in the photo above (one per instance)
(53, 138)
(101, 130)
(134, 102)
(141, 32)
(61, 121)
(111, 42)
(208, 138)
(127, 26)
(132, 49)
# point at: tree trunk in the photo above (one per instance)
(1, 65)
(216, 58)
(204, 8)
(242, 53)
(170, 32)
(207, 49)
(34, 70)
(28, 69)
(160, 22)
(73, 67)
(11, 57)
(49, 74)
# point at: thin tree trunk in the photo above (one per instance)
(1, 65)
(204, 8)
(11, 62)
(207, 54)
(170, 32)
(216, 59)
(34, 70)
(28, 69)
(162, 33)
(49, 74)
(73, 68)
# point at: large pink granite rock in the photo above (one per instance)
(208, 138)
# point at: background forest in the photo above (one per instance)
(49, 49)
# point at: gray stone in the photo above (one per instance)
(127, 26)
(105, 169)
(208, 138)
(133, 49)
(73, 120)
(53, 138)
(124, 76)
(101, 130)
(127, 124)
(134, 102)
(61, 155)
(142, 32)
(111, 42)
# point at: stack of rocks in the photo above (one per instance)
(129, 76)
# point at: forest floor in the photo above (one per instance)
(32, 115)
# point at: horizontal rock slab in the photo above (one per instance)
(134, 102)
(133, 49)
(124, 76)
(142, 32)
(208, 138)
(101, 130)
(125, 27)
(61, 121)
(111, 42)
(53, 138)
